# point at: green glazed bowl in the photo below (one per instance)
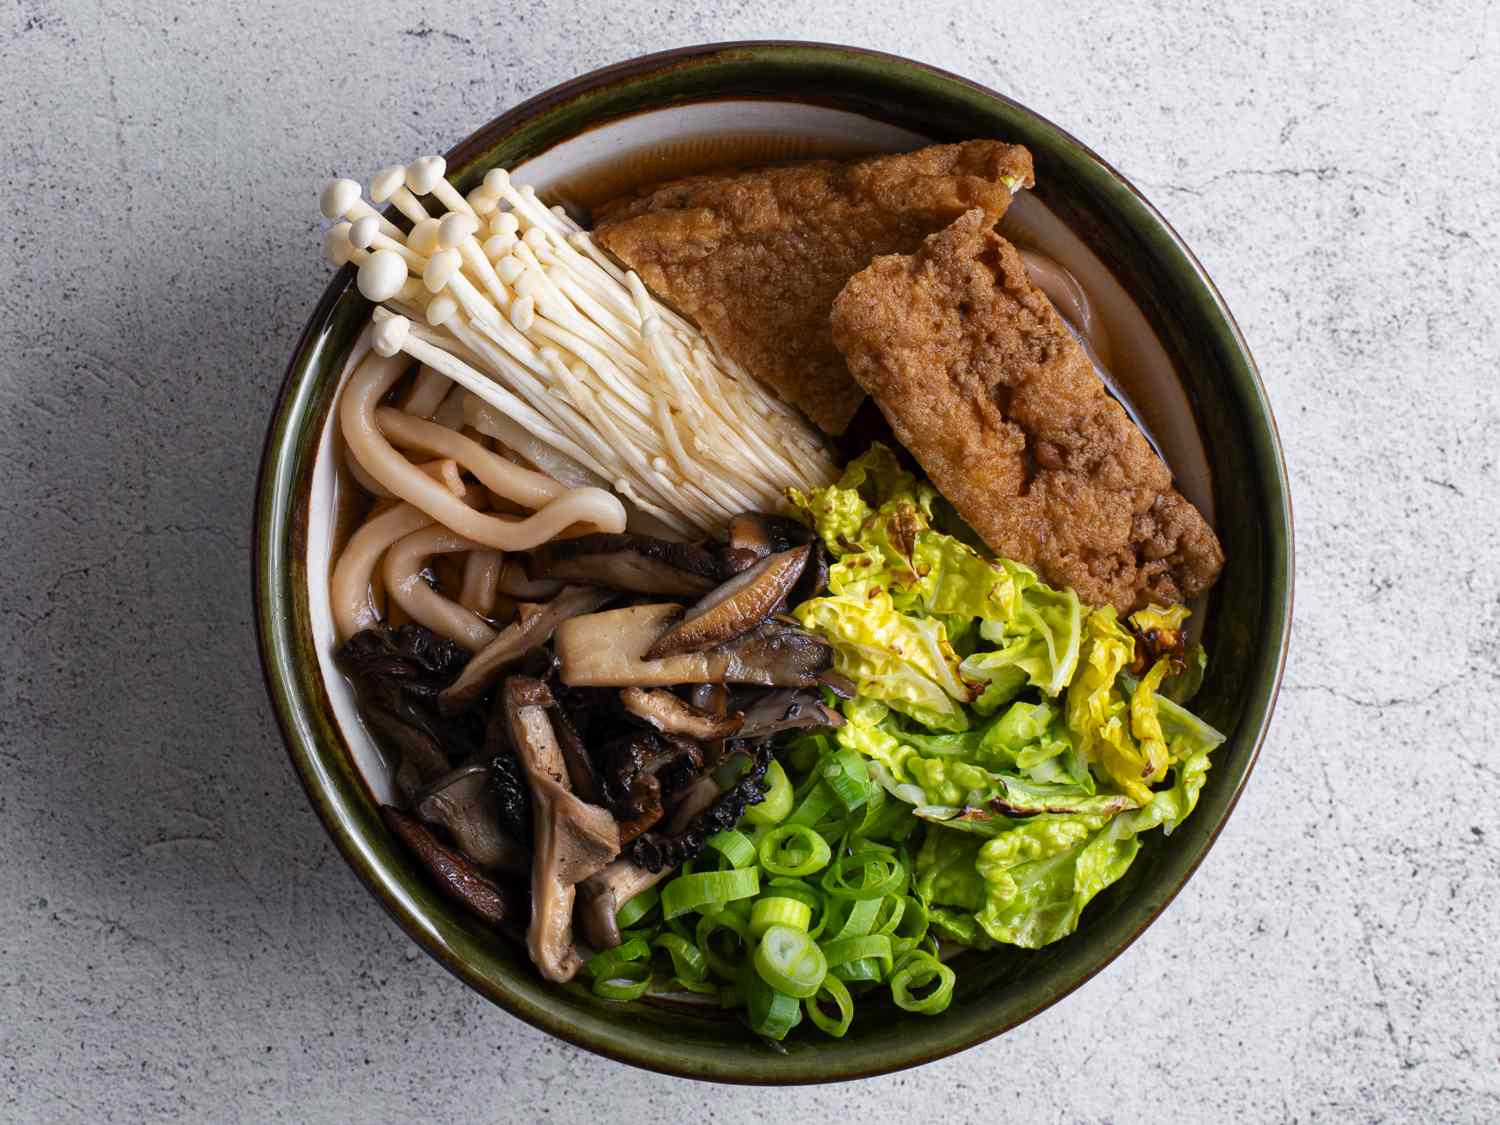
(1211, 418)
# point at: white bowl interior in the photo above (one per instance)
(661, 142)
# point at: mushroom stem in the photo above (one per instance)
(572, 840)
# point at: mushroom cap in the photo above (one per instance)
(441, 309)
(389, 334)
(455, 228)
(483, 200)
(362, 232)
(523, 316)
(382, 275)
(423, 173)
(423, 238)
(497, 181)
(336, 245)
(440, 270)
(385, 182)
(505, 223)
(496, 246)
(336, 199)
(510, 268)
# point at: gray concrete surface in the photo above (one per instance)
(178, 940)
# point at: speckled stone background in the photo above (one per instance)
(179, 941)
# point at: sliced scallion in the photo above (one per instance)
(776, 805)
(834, 990)
(708, 889)
(790, 961)
(794, 849)
(775, 910)
(922, 984)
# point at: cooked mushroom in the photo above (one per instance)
(397, 675)
(671, 715)
(601, 896)
(456, 876)
(777, 711)
(507, 779)
(734, 608)
(677, 845)
(714, 699)
(643, 768)
(608, 649)
(531, 629)
(698, 797)
(464, 803)
(814, 579)
(571, 838)
(754, 535)
(419, 758)
(640, 564)
(575, 754)
(841, 685)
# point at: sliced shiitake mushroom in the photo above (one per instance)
(640, 564)
(464, 802)
(608, 650)
(601, 896)
(572, 839)
(777, 711)
(455, 875)
(734, 608)
(532, 628)
(754, 535)
(672, 715)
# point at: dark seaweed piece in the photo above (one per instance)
(642, 768)
(507, 778)
(655, 850)
(511, 795)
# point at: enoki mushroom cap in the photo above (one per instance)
(384, 183)
(337, 198)
(382, 275)
(423, 238)
(389, 335)
(441, 309)
(440, 270)
(336, 245)
(483, 201)
(423, 173)
(455, 228)
(363, 231)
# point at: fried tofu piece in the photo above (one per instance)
(982, 381)
(757, 257)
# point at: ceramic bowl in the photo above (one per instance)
(1179, 358)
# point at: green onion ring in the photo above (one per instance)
(919, 971)
(790, 961)
(708, 889)
(834, 989)
(794, 849)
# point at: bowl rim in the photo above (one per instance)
(277, 542)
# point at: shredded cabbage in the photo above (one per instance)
(1003, 712)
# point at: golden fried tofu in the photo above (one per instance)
(757, 257)
(982, 381)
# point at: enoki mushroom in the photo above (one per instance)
(543, 328)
